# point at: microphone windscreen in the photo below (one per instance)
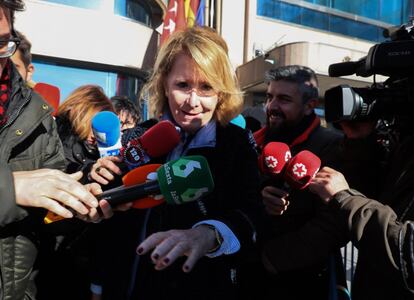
(160, 139)
(240, 121)
(50, 93)
(301, 169)
(106, 128)
(274, 158)
(185, 179)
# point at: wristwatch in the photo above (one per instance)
(218, 240)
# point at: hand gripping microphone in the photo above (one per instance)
(179, 181)
(157, 141)
(274, 157)
(107, 131)
(301, 169)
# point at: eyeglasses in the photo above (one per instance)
(202, 91)
(8, 46)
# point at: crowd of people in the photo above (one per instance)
(251, 237)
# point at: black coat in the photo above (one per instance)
(235, 202)
(79, 155)
(28, 141)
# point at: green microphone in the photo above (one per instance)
(179, 181)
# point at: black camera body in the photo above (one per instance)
(394, 97)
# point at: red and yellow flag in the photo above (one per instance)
(174, 19)
(180, 14)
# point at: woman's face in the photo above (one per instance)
(192, 100)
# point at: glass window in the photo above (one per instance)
(319, 2)
(90, 4)
(70, 78)
(290, 13)
(134, 9)
(269, 8)
(356, 29)
(315, 19)
(325, 21)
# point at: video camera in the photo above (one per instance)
(389, 99)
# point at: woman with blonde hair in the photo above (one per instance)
(191, 251)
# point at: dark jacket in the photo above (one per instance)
(79, 155)
(299, 243)
(28, 141)
(383, 230)
(234, 201)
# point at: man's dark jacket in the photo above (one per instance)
(381, 229)
(28, 141)
(299, 243)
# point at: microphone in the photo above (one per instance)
(301, 169)
(50, 93)
(106, 128)
(273, 159)
(179, 181)
(240, 121)
(157, 141)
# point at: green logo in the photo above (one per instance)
(193, 194)
(184, 167)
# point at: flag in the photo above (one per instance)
(174, 19)
(200, 13)
(191, 7)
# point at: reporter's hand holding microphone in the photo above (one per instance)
(286, 173)
(58, 192)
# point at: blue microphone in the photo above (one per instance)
(106, 128)
(239, 121)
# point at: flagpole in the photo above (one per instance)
(218, 9)
(206, 13)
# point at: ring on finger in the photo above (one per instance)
(98, 169)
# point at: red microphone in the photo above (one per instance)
(157, 141)
(50, 93)
(274, 157)
(301, 169)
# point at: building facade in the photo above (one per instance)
(113, 43)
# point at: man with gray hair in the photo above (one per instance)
(298, 239)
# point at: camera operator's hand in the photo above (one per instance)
(358, 129)
(327, 183)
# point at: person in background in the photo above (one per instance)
(74, 121)
(379, 222)
(22, 59)
(192, 251)
(299, 242)
(67, 243)
(31, 164)
(127, 111)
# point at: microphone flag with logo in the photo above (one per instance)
(179, 181)
(274, 157)
(106, 128)
(157, 141)
(301, 169)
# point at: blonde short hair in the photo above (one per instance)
(209, 52)
(81, 106)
